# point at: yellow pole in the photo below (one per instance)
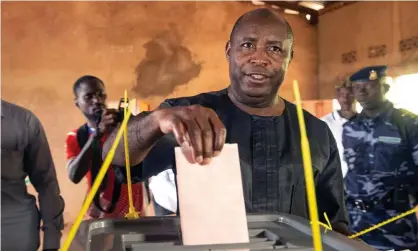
(132, 214)
(367, 230)
(307, 166)
(95, 187)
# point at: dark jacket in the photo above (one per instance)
(291, 186)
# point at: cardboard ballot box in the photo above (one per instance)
(266, 232)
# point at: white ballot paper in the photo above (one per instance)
(211, 199)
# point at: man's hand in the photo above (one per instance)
(109, 120)
(198, 130)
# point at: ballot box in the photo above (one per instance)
(266, 232)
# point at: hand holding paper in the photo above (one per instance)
(197, 129)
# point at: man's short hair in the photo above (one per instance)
(263, 12)
(85, 79)
(344, 84)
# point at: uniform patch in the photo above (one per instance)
(389, 140)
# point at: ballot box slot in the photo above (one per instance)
(260, 239)
(147, 224)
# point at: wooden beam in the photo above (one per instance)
(293, 6)
(335, 6)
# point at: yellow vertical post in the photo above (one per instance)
(132, 214)
(307, 166)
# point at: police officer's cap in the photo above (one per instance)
(370, 73)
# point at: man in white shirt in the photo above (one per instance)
(337, 118)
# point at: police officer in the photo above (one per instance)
(381, 150)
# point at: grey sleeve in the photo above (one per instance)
(41, 171)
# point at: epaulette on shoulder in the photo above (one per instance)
(353, 118)
(408, 114)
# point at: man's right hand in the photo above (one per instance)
(108, 121)
(197, 129)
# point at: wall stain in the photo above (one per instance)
(167, 64)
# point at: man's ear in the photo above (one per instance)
(228, 50)
(291, 56)
(76, 102)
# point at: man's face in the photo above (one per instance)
(91, 98)
(345, 98)
(258, 54)
(370, 94)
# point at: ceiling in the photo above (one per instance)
(310, 9)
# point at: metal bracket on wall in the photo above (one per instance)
(349, 57)
(377, 51)
(408, 44)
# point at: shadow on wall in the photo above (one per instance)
(167, 64)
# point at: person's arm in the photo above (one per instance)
(143, 134)
(330, 191)
(413, 135)
(41, 172)
(78, 161)
(154, 135)
(414, 145)
(159, 158)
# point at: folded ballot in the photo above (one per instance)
(211, 199)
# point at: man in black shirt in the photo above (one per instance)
(250, 113)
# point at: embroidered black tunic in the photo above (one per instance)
(270, 158)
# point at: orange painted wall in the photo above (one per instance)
(359, 26)
(319, 108)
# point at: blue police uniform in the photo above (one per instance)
(382, 178)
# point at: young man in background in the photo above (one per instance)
(83, 147)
